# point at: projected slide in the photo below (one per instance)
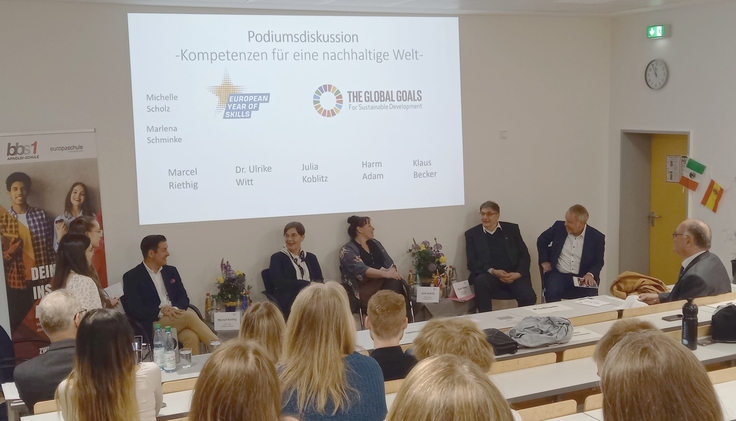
(256, 116)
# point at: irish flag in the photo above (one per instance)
(713, 195)
(691, 174)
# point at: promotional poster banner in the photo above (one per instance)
(49, 179)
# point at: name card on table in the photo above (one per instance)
(462, 290)
(428, 294)
(227, 320)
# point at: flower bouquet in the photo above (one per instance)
(232, 287)
(429, 261)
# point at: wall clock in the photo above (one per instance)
(656, 74)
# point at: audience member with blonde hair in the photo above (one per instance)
(322, 377)
(649, 376)
(456, 336)
(238, 382)
(448, 388)
(386, 322)
(106, 383)
(264, 323)
(619, 329)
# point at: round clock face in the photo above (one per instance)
(656, 74)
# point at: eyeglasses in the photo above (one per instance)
(80, 313)
(488, 214)
(675, 234)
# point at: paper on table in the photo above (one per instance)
(10, 391)
(632, 301)
(592, 302)
(583, 333)
(509, 319)
(115, 290)
(548, 308)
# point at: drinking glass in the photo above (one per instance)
(186, 357)
(214, 345)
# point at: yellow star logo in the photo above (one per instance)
(223, 91)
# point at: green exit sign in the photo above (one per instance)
(657, 31)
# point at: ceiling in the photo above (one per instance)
(442, 7)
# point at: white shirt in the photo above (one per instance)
(498, 227)
(689, 260)
(572, 250)
(158, 282)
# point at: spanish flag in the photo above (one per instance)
(713, 195)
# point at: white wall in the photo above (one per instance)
(543, 80)
(700, 98)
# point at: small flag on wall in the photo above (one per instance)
(713, 195)
(691, 174)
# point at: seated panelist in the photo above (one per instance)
(153, 291)
(365, 266)
(292, 268)
(498, 259)
(571, 248)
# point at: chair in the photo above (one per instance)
(270, 291)
(549, 411)
(45, 406)
(593, 402)
(178, 385)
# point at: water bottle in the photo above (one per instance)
(690, 324)
(169, 352)
(158, 347)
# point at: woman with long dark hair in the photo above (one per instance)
(73, 261)
(77, 203)
(106, 383)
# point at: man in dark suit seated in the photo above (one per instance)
(38, 378)
(153, 291)
(498, 259)
(702, 273)
(571, 248)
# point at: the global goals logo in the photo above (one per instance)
(327, 100)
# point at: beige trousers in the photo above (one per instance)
(191, 330)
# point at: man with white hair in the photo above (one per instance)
(38, 378)
(702, 273)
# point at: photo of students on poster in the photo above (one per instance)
(52, 187)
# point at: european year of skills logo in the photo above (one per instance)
(234, 101)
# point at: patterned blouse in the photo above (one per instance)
(84, 290)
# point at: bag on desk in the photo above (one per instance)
(723, 324)
(500, 342)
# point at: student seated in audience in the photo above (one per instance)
(153, 291)
(322, 377)
(238, 382)
(619, 329)
(106, 384)
(386, 321)
(37, 379)
(264, 323)
(457, 336)
(649, 376)
(448, 388)
(292, 268)
(73, 272)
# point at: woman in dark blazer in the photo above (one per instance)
(292, 268)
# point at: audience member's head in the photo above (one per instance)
(319, 334)
(58, 312)
(619, 329)
(74, 255)
(264, 323)
(104, 369)
(238, 382)
(690, 237)
(448, 388)
(649, 376)
(456, 336)
(386, 317)
(87, 225)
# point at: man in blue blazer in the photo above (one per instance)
(571, 248)
(153, 291)
(498, 260)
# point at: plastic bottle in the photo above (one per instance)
(158, 346)
(208, 307)
(169, 352)
(690, 324)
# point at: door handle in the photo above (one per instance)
(652, 216)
